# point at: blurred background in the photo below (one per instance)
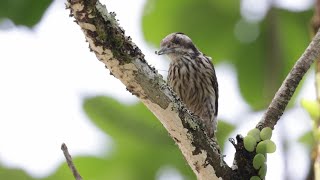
(54, 90)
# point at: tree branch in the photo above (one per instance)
(68, 157)
(126, 62)
(289, 85)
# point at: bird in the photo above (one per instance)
(192, 77)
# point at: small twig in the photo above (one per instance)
(66, 153)
(289, 85)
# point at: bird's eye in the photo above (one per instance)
(176, 41)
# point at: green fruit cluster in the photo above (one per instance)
(259, 141)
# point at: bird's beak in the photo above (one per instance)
(164, 50)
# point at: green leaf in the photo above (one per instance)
(14, 174)
(223, 133)
(313, 108)
(106, 168)
(307, 139)
(23, 12)
(129, 122)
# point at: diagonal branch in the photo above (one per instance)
(289, 85)
(68, 157)
(126, 62)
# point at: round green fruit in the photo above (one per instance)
(266, 133)
(312, 106)
(249, 143)
(261, 148)
(271, 146)
(258, 161)
(255, 178)
(255, 133)
(263, 171)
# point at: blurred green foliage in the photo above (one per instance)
(308, 140)
(13, 174)
(23, 12)
(311, 138)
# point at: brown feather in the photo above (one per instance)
(192, 76)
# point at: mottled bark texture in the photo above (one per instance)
(126, 62)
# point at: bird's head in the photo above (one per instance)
(176, 44)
